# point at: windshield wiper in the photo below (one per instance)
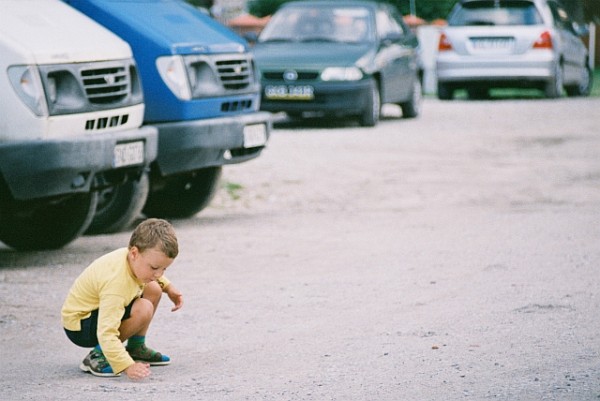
(318, 39)
(277, 40)
(480, 23)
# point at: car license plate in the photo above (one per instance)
(255, 135)
(128, 154)
(289, 92)
(492, 43)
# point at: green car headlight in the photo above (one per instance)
(341, 74)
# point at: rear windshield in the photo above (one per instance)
(491, 12)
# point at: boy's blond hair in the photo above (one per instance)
(158, 233)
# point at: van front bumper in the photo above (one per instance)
(191, 145)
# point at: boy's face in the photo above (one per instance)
(149, 265)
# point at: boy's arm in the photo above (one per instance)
(163, 282)
(109, 320)
(174, 295)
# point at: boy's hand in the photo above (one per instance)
(138, 371)
(175, 296)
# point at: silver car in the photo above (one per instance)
(511, 44)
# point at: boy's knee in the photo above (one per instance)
(152, 291)
(142, 309)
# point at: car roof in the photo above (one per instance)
(333, 3)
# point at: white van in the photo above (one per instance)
(71, 108)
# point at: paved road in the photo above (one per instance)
(451, 257)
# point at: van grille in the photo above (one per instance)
(89, 87)
(106, 85)
(234, 74)
(236, 106)
(106, 122)
(221, 74)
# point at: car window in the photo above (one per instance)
(340, 24)
(386, 25)
(561, 18)
(490, 12)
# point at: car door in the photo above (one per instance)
(396, 57)
(572, 49)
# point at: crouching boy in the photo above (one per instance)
(115, 298)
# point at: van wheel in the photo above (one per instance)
(46, 224)
(119, 205)
(183, 195)
(370, 116)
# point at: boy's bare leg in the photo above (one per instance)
(142, 311)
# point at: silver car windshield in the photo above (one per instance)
(491, 13)
(313, 24)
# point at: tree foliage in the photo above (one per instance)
(201, 3)
(426, 9)
(429, 10)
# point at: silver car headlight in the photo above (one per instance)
(26, 81)
(341, 74)
(173, 72)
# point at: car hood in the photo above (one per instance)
(310, 54)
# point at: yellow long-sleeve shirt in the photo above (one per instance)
(107, 285)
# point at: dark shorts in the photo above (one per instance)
(87, 337)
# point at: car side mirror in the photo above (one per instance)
(580, 30)
(392, 37)
(251, 37)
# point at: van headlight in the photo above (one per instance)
(341, 74)
(173, 72)
(27, 83)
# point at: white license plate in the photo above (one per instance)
(492, 43)
(289, 92)
(128, 154)
(255, 135)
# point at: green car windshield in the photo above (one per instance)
(308, 24)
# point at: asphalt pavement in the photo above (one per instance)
(450, 257)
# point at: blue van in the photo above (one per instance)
(202, 93)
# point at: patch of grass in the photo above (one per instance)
(233, 189)
(529, 93)
(596, 86)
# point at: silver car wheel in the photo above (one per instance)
(554, 87)
(584, 87)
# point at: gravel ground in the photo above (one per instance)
(451, 257)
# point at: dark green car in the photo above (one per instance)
(338, 58)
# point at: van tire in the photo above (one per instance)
(47, 224)
(119, 206)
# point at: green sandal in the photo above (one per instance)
(141, 353)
